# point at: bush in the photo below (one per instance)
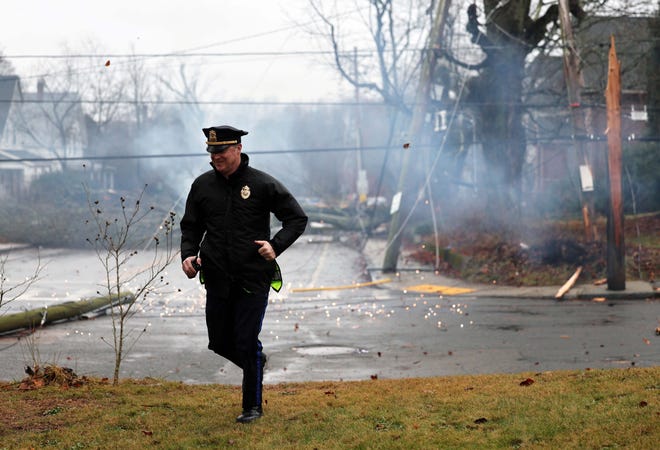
(43, 224)
(641, 183)
(55, 212)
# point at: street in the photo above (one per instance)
(318, 328)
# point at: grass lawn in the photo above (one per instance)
(613, 408)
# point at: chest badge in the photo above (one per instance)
(245, 192)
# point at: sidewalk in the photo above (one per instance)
(412, 274)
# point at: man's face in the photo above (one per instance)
(227, 161)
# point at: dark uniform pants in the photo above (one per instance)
(234, 323)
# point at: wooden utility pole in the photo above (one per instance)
(361, 186)
(574, 84)
(616, 252)
(415, 131)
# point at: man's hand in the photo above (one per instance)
(188, 267)
(266, 250)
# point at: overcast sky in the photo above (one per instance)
(38, 27)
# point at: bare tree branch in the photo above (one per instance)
(338, 63)
(11, 292)
(115, 248)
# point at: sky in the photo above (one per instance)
(47, 27)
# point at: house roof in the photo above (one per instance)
(9, 88)
(43, 115)
(633, 42)
(546, 81)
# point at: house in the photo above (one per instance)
(40, 132)
(556, 145)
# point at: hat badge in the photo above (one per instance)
(212, 136)
(245, 192)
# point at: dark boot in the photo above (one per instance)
(250, 414)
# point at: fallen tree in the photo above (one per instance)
(46, 315)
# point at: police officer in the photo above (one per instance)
(225, 237)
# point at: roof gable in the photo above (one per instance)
(633, 44)
(9, 91)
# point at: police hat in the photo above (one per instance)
(222, 137)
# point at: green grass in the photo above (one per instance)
(615, 408)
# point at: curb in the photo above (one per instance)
(407, 276)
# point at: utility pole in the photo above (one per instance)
(362, 184)
(574, 84)
(415, 130)
(616, 253)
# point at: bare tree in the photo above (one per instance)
(101, 83)
(509, 37)
(11, 291)
(378, 47)
(390, 33)
(186, 89)
(139, 88)
(506, 33)
(68, 89)
(52, 118)
(117, 242)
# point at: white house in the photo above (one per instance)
(39, 132)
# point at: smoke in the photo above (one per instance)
(184, 140)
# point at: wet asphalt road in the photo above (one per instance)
(331, 333)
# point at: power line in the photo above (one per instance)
(347, 53)
(344, 13)
(188, 155)
(538, 140)
(174, 55)
(287, 103)
(196, 102)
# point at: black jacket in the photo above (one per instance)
(233, 213)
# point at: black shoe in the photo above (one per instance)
(250, 414)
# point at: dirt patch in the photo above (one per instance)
(50, 375)
(547, 254)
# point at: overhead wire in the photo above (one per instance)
(382, 148)
(186, 53)
(347, 53)
(140, 57)
(549, 105)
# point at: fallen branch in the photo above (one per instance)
(569, 284)
(40, 317)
